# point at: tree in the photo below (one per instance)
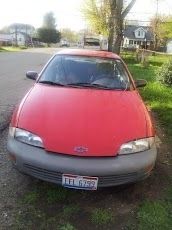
(97, 15)
(49, 21)
(107, 17)
(155, 26)
(70, 35)
(166, 29)
(161, 27)
(48, 35)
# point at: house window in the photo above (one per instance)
(130, 42)
(139, 33)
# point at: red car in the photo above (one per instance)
(83, 124)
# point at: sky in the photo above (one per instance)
(67, 12)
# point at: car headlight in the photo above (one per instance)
(136, 146)
(26, 137)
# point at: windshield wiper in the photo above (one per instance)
(77, 84)
(89, 85)
(104, 87)
(51, 83)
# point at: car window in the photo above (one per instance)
(67, 70)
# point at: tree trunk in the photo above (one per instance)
(118, 31)
(155, 42)
(110, 40)
(111, 25)
(117, 44)
(116, 24)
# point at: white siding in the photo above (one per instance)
(169, 47)
(139, 33)
(20, 39)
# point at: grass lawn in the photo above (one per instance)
(156, 215)
(158, 96)
(10, 48)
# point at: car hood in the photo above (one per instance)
(82, 121)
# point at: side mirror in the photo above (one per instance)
(32, 75)
(140, 83)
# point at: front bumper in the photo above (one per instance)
(111, 171)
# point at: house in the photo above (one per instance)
(5, 39)
(135, 36)
(19, 27)
(169, 46)
(21, 33)
(21, 38)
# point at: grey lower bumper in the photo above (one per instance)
(110, 170)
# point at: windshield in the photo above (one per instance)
(81, 71)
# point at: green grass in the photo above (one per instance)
(31, 197)
(158, 96)
(101, 216)
(158, 60)
(70, 210)
(156, 215)
(11, 48)
(67, 226)
(57, 194)
(49, 205)
(153, 215)
(52, 193)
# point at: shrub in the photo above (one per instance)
(164, 74)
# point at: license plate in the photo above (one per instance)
(79, 182)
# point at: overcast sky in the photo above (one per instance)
(67, 12)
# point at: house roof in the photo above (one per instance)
(27, 36)
(20, 26)
(130, 29)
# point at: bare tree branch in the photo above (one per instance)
(128, 8)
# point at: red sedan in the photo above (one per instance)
(83, 124)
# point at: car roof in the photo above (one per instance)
(89, 53)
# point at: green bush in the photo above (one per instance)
(164, 74)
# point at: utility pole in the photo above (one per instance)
(156, 25)
(26, 39)
(16, 41)
(157, 7)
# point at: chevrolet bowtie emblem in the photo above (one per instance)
(81, 149)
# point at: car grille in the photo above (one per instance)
(103, 181)
(43, 174)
